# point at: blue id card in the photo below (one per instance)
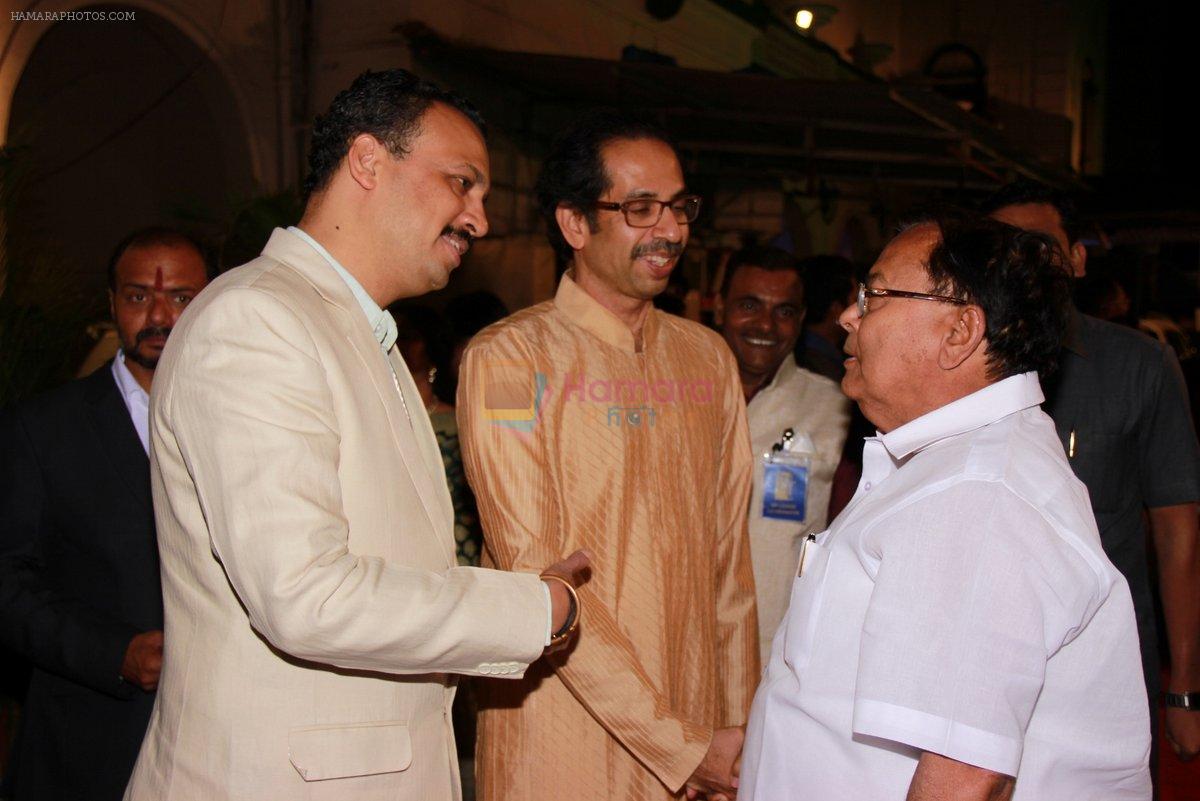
(785, 488)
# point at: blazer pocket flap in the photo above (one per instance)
(358, 749)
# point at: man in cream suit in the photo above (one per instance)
(312, 604)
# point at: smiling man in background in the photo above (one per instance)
(760, 311)
(595, 420)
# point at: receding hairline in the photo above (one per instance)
(182, 244)
(603, 151)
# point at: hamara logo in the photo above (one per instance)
(512, 395)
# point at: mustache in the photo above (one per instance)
(151, 331)
(462, 233)
(664, 246)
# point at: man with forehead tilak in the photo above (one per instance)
(958, 632)
(598, 420)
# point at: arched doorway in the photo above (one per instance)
(116, 126)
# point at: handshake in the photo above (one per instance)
(716, 778)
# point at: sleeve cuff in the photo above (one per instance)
(684, 764)
(937, 735)
(549, 613)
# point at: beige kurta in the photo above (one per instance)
(574, 436)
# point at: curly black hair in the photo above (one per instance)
(1019, 280)
(573, 171)
(387, 105)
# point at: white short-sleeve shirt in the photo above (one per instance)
(962, 605)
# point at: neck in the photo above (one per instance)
(143, 375)
(631, 311)
(337, 232)
(753, 383)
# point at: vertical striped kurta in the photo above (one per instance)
(576, 434)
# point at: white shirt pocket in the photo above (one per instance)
(804, 609)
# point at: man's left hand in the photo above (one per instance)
(1183, 732)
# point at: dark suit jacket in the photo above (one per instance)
(78, 579)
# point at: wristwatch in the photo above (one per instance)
(1189, 701)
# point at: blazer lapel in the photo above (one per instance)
(414, 437)
(405, 432)
(119, 439)
(426, 439)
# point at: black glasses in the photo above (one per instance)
(865, 292)
(645, 212)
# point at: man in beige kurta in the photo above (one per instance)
(594, 420)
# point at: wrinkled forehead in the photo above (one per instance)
(641, 168)
(781, 286)
(904, 263)
(161, 265)
(448, 137)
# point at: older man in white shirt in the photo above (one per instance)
(958, 632)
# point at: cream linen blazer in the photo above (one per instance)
(305, 530)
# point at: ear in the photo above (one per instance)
(363, 160)
(963, 339)
(574, 226)
(112, 304)
(718, 309)
(1078, 260)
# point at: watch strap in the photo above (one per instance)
(1188, 700)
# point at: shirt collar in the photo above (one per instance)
(382, 323)
(787, 368)
(975, 411)
(583, 310)
(128, 385)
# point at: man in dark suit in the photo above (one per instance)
(79, 583)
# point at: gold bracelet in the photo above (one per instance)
(574, 614)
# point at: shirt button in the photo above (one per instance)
(867, 486)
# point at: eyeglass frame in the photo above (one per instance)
(865, 291)
(608, 205)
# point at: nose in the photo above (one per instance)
(849, 318)
(762, 321)
(160, 310)
(668, 227)
(474, 218)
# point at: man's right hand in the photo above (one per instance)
(716, 776)
(575, 570)
(143, 660)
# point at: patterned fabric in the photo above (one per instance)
(468, 534)
(577, 435)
